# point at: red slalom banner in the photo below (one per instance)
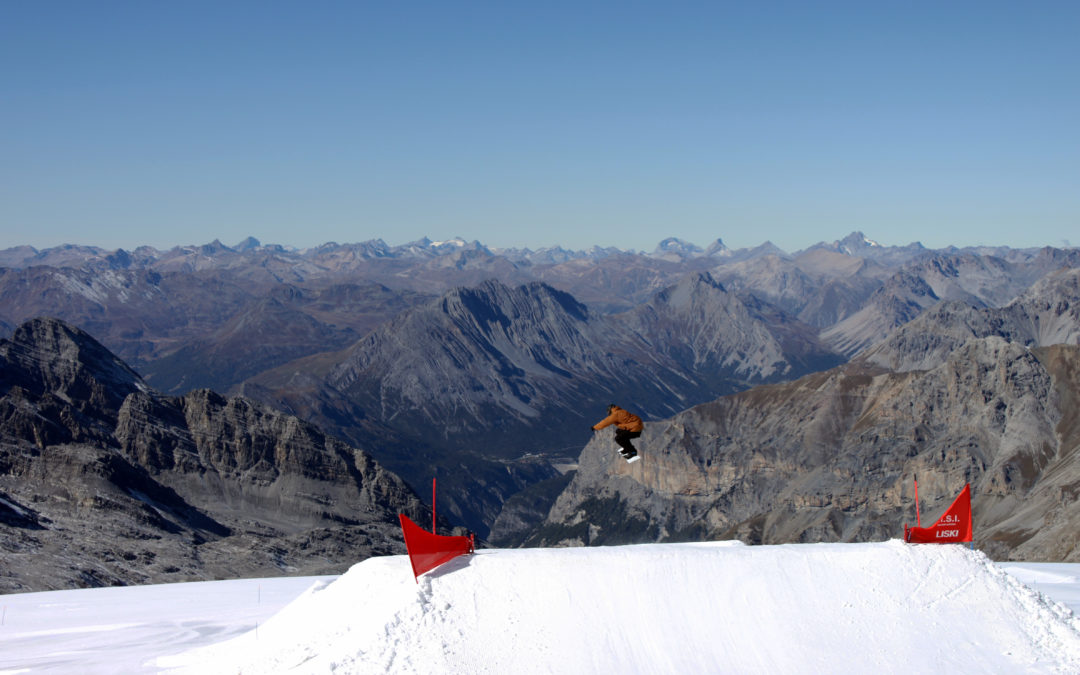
(954, 526)
(427, 551)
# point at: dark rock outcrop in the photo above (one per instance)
(104, 481)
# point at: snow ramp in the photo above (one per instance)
(666, 608)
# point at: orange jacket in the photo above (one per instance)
(622, 419)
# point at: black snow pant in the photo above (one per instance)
(623, 437)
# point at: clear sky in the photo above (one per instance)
(539, 123)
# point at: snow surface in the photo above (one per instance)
(122, 629)
(659, 608)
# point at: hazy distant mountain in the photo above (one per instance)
(1046, 314)
(899, 300)
(718, 249)
(333, 255)
(206, 328)
(975, 280)
(248, 244)
(858, 245)
(261, 336)
(713, 333)
(16, 256)
(818, 287)
(676, 250)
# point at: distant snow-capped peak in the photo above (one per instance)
(456, 241)
(854, 242)
(675, 247)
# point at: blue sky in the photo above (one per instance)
(535, 124)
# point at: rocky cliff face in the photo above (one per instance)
(1046, 314)
(831, 457)
(707, 330)
(104, 481)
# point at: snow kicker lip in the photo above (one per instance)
(725, 607)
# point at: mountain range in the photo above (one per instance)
(761, 375)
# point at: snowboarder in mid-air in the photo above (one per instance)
(628, 426)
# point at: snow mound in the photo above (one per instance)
(718, 607)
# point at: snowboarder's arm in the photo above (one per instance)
(606, 422)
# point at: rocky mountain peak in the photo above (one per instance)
(493, 300)
(50, 356)
(215, 247)
(248, 244)
(856, 241)
(717, 249)
(691, 289)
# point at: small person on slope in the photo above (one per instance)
(628, 426)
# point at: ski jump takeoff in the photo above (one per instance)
(628, 426)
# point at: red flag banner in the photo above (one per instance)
(954, 526)
(426, 550)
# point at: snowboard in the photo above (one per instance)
(629, 460)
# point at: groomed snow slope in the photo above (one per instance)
(666, 608)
